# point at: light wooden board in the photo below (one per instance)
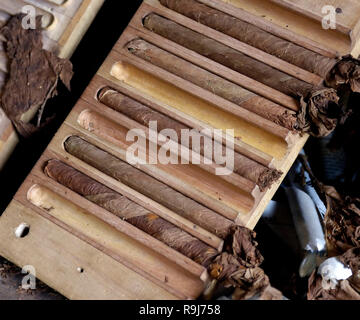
(234, 197)
(57, 254)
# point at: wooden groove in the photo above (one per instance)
(236, 10)
(210, 97)
(102, 278)
(200, 109)
(213, 186)
(210, 65)
(56, 146)
(159, 261)
(103, 78)
(305, 28)
(229, 202)
(242, 47)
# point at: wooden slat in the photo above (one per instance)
(155, 269)
(115, 237)
(103, 276)
(210, 65)
(240, 46)
(207, 189)
(56, 146)
(284, 22)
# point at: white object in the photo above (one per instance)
(21, 229)
(333, 270)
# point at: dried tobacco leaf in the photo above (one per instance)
(33, 74)
(238, 267)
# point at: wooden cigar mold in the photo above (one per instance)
(64, 23)
(74, 229)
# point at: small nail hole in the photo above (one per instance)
(80, 270)
(22, 230)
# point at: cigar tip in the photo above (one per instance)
(32, 192)
(119, 71)
(137, 44)
(103, 92)
(84, 117)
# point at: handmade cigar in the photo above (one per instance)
(149, 186)
(227, 56)
(333, 70)
(213, 83)
(200, 109)
(152, 263)
(321, 98)
(142, 114)
(252, 35)
(127, 210)
(227, 199)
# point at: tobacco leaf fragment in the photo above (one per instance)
(320, 112)
(342, 221)
(34, 73)
(345, 72)
(342, 230)
(344, 290)
(239, 267)
(347, 289)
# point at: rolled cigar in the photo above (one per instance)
(149, 186)
(134, 214)
(333, 70)
(227, 56)
(211, 82)
(200, 109)
(322, 98)
(142, 114)
(153, 263)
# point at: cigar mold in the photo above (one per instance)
(151, 268)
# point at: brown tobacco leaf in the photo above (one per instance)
(345, 72)
(351, 258)
(344, 290)
(347, 289)
(238, 267)
(320, 112)
(33, 73)
(342, 221)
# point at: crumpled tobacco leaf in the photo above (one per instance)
(342, 221)
(345, 72)
(342, 230)
(33, 73)
(238, 267)
(351, 258)
(347, 289)
(344, 290)
(319, 113)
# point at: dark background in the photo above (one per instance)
(97, 43)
